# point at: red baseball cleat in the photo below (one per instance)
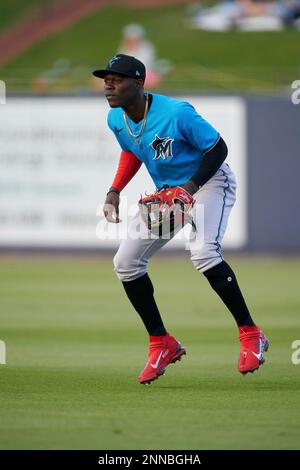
(163, 350)
(253, 345)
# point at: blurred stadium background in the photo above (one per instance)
(73, 345)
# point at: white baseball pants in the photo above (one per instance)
(214, 202)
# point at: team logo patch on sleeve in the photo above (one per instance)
(162, 147)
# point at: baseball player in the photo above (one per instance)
(185, 157)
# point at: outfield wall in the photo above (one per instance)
(273, 156)
(58, 157)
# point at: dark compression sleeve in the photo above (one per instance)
(210, 163)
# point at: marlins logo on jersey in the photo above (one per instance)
(162, 147)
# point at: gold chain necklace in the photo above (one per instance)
(143, 123)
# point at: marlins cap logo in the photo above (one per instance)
(113, 60)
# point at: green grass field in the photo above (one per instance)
(75, 348)
(201, 60)
(12, 11)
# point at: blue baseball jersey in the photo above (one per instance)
(173, 142)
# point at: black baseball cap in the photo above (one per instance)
(123, 65)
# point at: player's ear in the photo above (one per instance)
(139, 84)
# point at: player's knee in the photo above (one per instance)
(122, 266)
(207, 257)
(126, 269)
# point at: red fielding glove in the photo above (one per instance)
(165, 210)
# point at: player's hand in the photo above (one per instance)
(111, 208)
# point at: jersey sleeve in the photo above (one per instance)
(112, 126)
(194, 129)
